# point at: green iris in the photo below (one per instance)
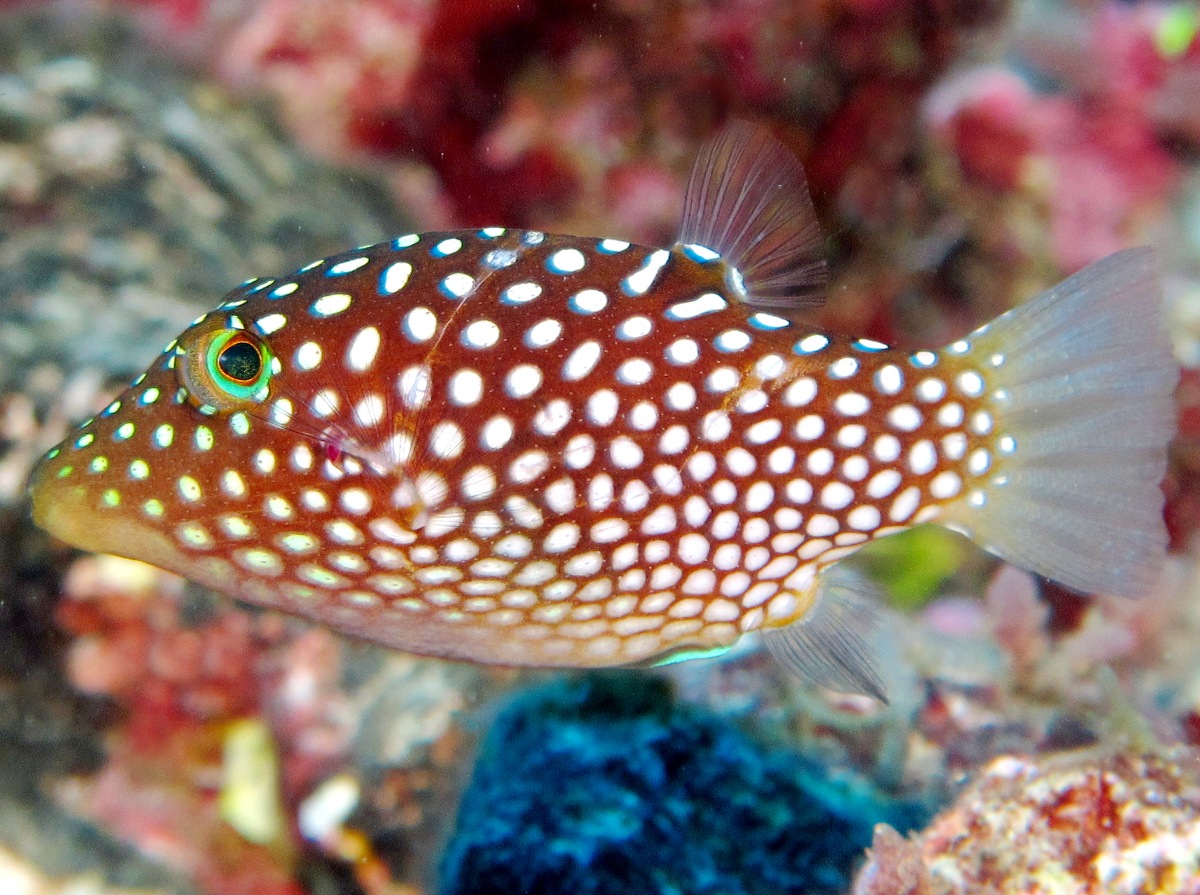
(237, 366)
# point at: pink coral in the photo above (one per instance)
(1090, 155)
(183, 686)
(1112, 825)
(1018, 617)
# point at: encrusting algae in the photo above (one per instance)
(522, 448)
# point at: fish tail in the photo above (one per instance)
(1069, 429)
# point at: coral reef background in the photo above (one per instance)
(154, 738)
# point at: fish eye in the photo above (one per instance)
(222, 368)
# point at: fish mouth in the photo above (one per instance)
(72, 511)
(64, 508)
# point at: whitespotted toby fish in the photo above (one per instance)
(514, 447)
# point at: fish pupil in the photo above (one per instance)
(240, 361)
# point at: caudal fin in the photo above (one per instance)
(1079, 384)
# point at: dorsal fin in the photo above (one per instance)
(747, 200)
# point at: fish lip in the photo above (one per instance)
(35, 487)
(50, 508)
(59, 507)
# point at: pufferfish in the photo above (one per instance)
(520, 448)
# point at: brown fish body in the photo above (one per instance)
(676, 491)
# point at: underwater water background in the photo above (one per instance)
(157, 738)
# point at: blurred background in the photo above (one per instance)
(962, 156)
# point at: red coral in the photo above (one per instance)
(400, 80)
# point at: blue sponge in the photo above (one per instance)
(602, 785)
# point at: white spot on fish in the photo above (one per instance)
(681, 396)
(457, 285)
(886, 448)
(843, 368)
(851, 436)
(446, 247)
(481, 334)
(369, 411)
(587, 301)
(930, 390)
(625, 453)
(820, 461)
(869, 345)
(264, 461)
(781, 460)
(330, 305)
(415, 386)
(732, 340)
(271, 323)
(905, 504)
(812, 344)
(395, 277)
(836, 496)
(883, 483)
(602, 407)
(950, 414)
(565, 261)
(543, 333)
(708, 303)
(761, 320)
(523, 380)
(970, 384)
(520, 293)
(800, 393)
(551, 418)
(496, 433)
(420, 324)
(640, 281)
(360, 354)
(889, 380)
(864, 518)
(945, 485)
(634, 328)
(904, 417)
(308, 356)
(348, 266)
(852, 404)
(810, 427)
(723, 379)
(635, 371)
(581, 361)
(643, 416)
(682, 351)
